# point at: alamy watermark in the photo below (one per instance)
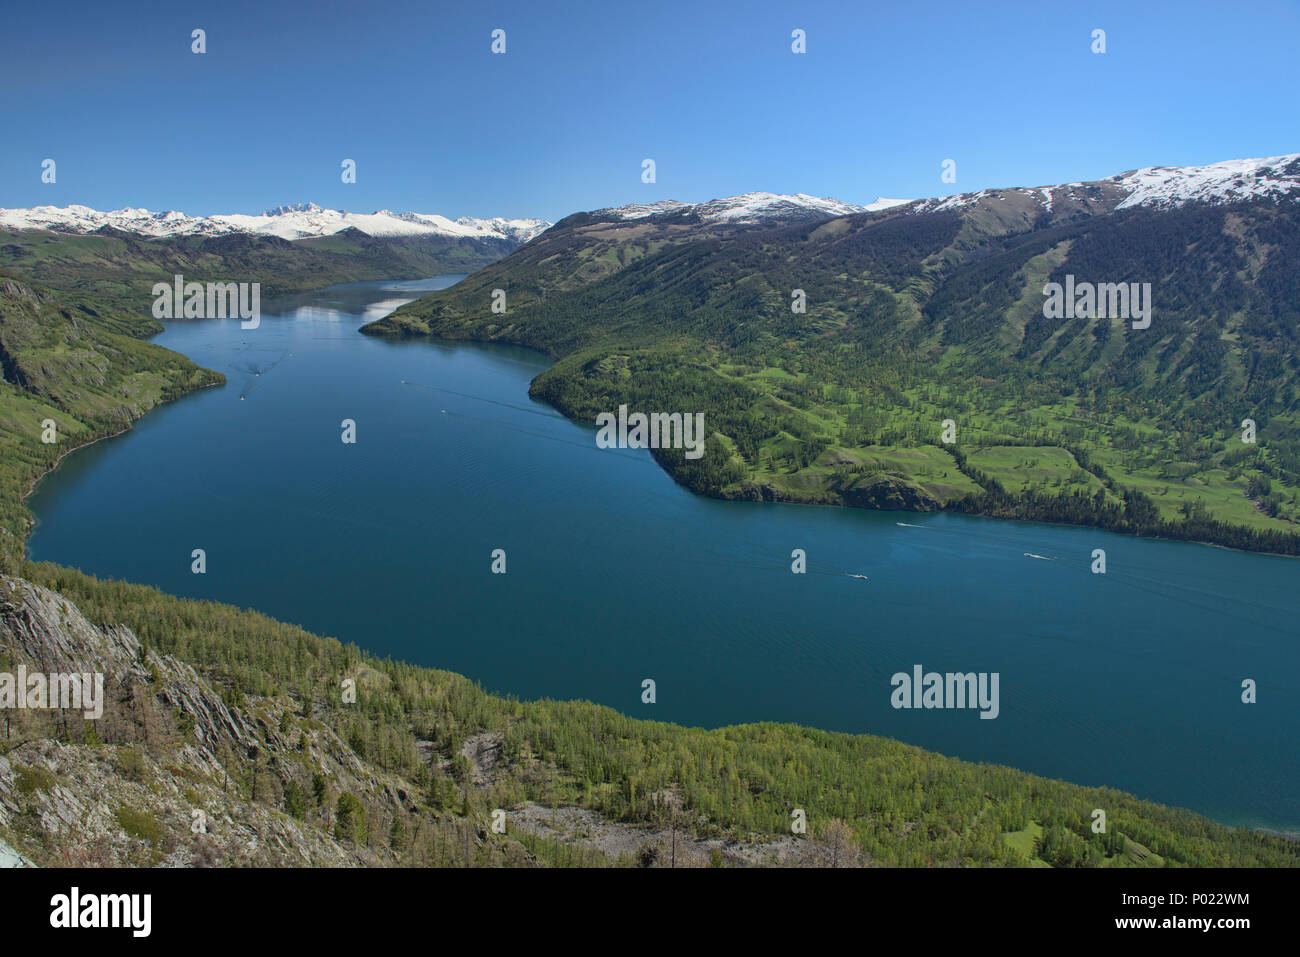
(658, 430)
(78, 691)
(129, 911)
(1104, 300)
(212, 300)
(930, 689)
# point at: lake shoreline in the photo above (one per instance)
(756, 491)
(34, 520)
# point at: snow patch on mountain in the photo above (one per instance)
(941, 204)
(1165, 187)
(883, 202)
(299, 221)
(761, 207)
(1161, 187)
(643, 210)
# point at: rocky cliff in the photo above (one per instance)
(162, 777)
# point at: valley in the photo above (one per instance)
(922, 374)
(472, 529)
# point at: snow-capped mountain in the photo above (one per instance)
(1227, 182)
(759, 207)
(1159, 187)
(288, 222)
(747, 208)
(641, 210)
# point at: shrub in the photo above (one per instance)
(131, 763)
(31, 780)
(138, 824)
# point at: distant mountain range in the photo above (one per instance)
(1164, 187)
(300, 221)
(588, 246)
(307, 220)
(1161, 187)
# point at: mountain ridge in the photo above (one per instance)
(1160, 186)
(296, 221)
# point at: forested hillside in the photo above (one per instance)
(73, 372)
(918, 316)
(410, 772)
(121, 267)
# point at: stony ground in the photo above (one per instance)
(661, 847)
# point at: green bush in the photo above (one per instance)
(138, 824)
(31, 780)
(131, 763)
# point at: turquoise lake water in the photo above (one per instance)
(615, 574)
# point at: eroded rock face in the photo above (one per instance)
(484, 753)
(55, 637)
(162, 777)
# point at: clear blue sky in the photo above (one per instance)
(709, 89)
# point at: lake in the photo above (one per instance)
(614, 574)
